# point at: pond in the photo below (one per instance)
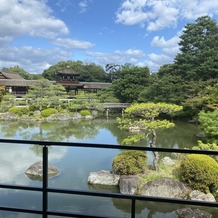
(76, 164)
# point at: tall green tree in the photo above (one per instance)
(144, 116)
(131, 81)
(198, 57)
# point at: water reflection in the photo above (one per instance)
(76, 163)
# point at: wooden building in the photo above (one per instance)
(67, 78)
(15, 84)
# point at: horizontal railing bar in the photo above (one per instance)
(136, 197)
(21, 210)
(112, 195)
(109, 146)
(20, 187)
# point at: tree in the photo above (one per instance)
(89, 72)
(44, 93)
(209, 124)
(198, 59)
(131, 81)
(142, 116)
(22, 73)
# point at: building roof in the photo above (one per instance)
(9, 75)
(68, 71)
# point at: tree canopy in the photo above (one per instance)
(130, 82)
(89, 72)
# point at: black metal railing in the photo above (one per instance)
(45, 190)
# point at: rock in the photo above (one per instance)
(103, 177)
(200, 135)
(88, 117)
(37, 113)
(189, 213)
(200, 196)
(77, 115)
(8, 116)
(35, 171)
(165, 187)
(128, 184)
(60, 117)
(167, 161)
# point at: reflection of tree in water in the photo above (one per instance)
(10, 128)
(183, 135)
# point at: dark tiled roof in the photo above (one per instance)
(11, 75)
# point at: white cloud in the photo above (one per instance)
(118, 57)
(159, 14)
(26, 17)
(72, 43)
(33, 60)
(83, 6)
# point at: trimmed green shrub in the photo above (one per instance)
(19, 110)
(130, 163)
(85, 113)
(48, 112)
(200, 172)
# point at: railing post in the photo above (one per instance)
(45, 181)
(133, 209)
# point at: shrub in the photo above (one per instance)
(130, 163)
(19, 110)
(85, 113)
(200, 172)
(48, 112)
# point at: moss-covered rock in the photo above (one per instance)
(200, 172)
(130, 163)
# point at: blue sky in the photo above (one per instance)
(35, 34)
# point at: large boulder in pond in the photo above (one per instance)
(103, 177)
(129, 184)
(35, 171)
(201, 196)
(165, 187)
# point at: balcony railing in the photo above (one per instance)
(45, 190)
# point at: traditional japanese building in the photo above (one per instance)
(67, 78)
(13, 83)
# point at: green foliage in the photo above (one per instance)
(200, 172)
(85, 113)
(198, 57)
(7, 102)
(209, 123)
(130, 163)
(89, 72)
(130, 82)
(107, 95)
(48, 112)
(206, 146)
(19, 110)
(43, 94)
(151, 110)
(142, 116)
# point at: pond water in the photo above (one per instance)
(76, 164)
